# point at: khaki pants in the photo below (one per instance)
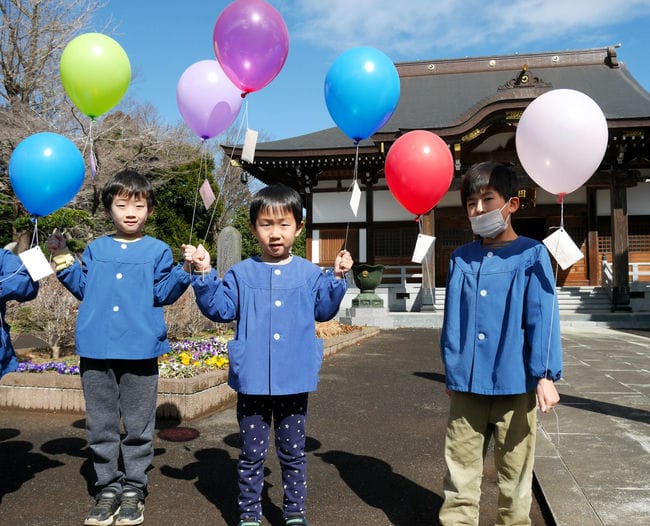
(472, 420)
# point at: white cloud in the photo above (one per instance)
(422, 29)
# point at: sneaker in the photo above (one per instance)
(106, 506)
(250, 522)
(295, 520)
(131, 509)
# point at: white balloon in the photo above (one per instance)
(561, 140)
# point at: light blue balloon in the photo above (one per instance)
(362, 90)
(46, 170)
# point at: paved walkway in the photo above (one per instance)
(375, 446)
(593, 454)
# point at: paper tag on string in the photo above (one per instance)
(355, 198)
(563, 249)
(422, 247)
(92, 162)
(248, 151)
(36, 263)
(206, 193)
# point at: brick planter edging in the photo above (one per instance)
(178, 398)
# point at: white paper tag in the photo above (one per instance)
(422, 246)
(563, 249)
(355, 199)
(248, 151)
(36, 263)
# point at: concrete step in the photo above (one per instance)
(579, 307)
(379, 317)
(570, 299)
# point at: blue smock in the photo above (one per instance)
(275, 350)
(123, 287)
(501, 329)
(15, 284)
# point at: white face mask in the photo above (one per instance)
(490, 224)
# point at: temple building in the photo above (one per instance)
(474, 105)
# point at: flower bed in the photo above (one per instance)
(187, 358)
(197, 385)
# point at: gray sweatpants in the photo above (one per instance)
(115, 392)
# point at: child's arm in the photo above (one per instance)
(16, 283)
(342, 264)
(547, 395)
(331, 287)
(71, 275)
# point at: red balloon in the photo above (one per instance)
(419, 168)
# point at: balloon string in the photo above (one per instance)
(224, 178)
(202, 160)
(34, 241)
(89, 145)
(354, 180)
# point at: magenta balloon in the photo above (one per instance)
(251, 43)
(208, 101)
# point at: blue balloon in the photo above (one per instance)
(362, 90)
(46, 170)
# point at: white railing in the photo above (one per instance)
(401, 275)
(639, 270)
(607, 277)
(636, 271)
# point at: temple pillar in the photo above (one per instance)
(593, 257)
(429, 263)
(620, 256)
(308, 201)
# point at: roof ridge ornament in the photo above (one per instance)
(525, 79)
(612, 59)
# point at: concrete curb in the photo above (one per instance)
(178, 398)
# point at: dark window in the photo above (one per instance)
(395, 242)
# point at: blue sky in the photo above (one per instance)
(163, 38)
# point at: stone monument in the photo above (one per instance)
(228, 249)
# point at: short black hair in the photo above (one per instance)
(278, 197)
(128, 183)
(500, 177)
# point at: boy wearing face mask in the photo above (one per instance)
(501, 349)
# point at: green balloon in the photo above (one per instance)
(95, 72)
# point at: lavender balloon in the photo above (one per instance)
(251, 43)
(208, 101)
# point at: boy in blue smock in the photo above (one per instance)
(15, 284)
(123, 281)
(275, 356)
(501, 350)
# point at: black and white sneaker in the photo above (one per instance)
(131, 509)
(106, 507)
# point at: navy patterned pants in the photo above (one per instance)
(288, 414)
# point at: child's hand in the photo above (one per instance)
(201, 260)
(342, 264)
(56, 244)
(547, 395)
(188, 254)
